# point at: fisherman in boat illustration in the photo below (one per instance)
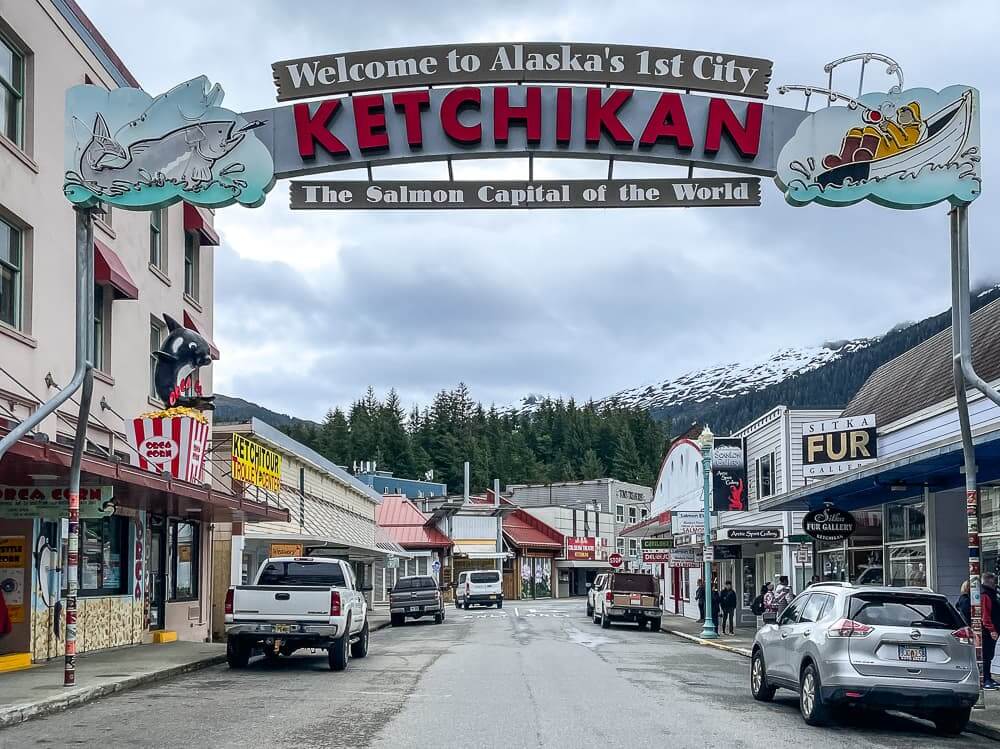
(904, 148)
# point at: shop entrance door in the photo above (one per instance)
(156, 566)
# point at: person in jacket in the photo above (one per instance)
(760, 603)
(782, 595)
(991, 619)
(727, 602)
(699, 596)
(964, 603)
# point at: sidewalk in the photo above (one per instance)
(984, 722)
(38, 691)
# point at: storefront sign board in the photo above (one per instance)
(685, 558)
(749, 534)
(687, 523)
(650, 544)
(53, 501)
(728, 551)
(13, 563)
(285, 550)
(832, 446)
(829, 524)
(255, 464)
(655, 556)
(581, 548)
(729, 475)
(521, 62)
(582, 193)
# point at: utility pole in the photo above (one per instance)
(496, 504)
(707, 440)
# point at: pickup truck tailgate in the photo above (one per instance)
(281, 603)
(635, 599)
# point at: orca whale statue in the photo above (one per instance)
(181, 353)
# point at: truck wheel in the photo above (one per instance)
(654, 625)
(438, 618)
(396, 620)
(359, 649)
(237, 652)
(339, 653)
(457, 605)
(590, 611)
(500, 605)
(466, 604)
(605, 621)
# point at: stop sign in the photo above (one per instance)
(615, 560)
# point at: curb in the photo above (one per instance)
(20, 713)
(974, 727)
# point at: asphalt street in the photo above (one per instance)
(529, 675)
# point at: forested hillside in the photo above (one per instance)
(557, 441)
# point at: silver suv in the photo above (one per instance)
(902, 649)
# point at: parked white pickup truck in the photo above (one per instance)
(298, 602)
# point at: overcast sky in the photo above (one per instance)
(311, 308)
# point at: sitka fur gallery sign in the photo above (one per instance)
(903, 149)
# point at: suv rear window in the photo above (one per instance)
(414, 583)
(627, 582)
(302, 573)
(904, 610)
(484, 577)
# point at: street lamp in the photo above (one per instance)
(706, 439)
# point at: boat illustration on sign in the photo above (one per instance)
(128, 149)
(901, 149)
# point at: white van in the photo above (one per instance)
(481, 586)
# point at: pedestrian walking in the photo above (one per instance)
(991, 618)
(759, 604)
(716, 606)
(699, 596)
(727, 601)
(781, 595)
(813, 580)
(964, 603)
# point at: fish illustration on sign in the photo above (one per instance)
(128, 149)
(900, 149)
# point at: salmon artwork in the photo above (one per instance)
(900, 148)
(128, 149)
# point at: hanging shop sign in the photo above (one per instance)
(531, 62)
(687, 523)
(13, 563)
(254, 464)
(128, 149)
(900, 149)
(728, 551)
(829, 524)
(729, 475)
(182, 353)
(656, 543)
(582, 548)
(582, 193)
(53, 502)
(653, 557)
(174, 441)
(685, 558)
(285, 550)
(749, 534)
(834, 446)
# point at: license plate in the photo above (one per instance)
(912, 653)
(492, 597)
(413, 608)
(282, 627)
(635, 600)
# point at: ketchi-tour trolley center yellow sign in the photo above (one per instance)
(253, 464)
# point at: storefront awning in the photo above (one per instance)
(479, 551)
(658, 524)
(196, 222)
(581, 564)
(109, 270)
(190, 324)
(937, 466)
(327, 545)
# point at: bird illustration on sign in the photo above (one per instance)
(128, 149)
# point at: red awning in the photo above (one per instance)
(110, 271)
(195, 221)
(190, 324)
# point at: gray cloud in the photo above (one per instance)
(310, 309)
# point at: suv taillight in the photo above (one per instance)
(849, 628)
(609, 597)
(334, 603)
(963, 635)
(229, 601)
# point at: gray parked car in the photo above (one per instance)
(838, 644)
(414, 597)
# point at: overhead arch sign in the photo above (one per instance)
(903, 149)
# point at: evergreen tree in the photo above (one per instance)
(590, 466)
(627, 465)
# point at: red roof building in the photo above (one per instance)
(523, 531)
(408, 526)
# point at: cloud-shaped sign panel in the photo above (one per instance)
(907, 150)
(128, 149)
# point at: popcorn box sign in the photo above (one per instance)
(175, 444)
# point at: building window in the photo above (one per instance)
(620, 546)
(765, 476)
(98, 342)
(104, 214)
(191, 253)
(156, 255)
(11, 92)
(155, 338)
(103, 556)
(633, 547)
(183, 550)
(631, 514)
(620, 513)
(11, 274)
(643, 513)
(685, 585)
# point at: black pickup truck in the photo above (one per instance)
(413, 597)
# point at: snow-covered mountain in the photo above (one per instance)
(725, 381)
